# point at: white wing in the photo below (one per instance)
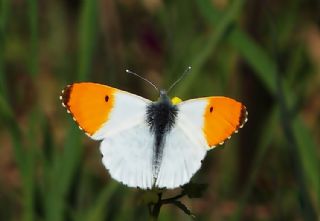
(183, 152)
(128, 156)
(127, 142)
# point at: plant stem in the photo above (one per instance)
(154, 208)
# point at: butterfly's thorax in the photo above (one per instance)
(160, 116)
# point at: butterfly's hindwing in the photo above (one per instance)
(128, 156)
(182, 156)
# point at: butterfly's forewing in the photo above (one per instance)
(101, 110)
(216, 117)
(90, 104)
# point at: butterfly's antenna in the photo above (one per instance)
(180, 78)
(135, 74)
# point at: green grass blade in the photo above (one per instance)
(62, 173)
(309, 159)
(87, 37)
(7, 117)
(256, 57)
(29, 179)
(34, 41)
(266, 70)
(24, 158)
(4, 11)
(211, 44)
(66, 165)
(262, 147)
(100, 208)
(209, 12)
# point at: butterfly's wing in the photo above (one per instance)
(217, 118)
(101, 110)
(181, 157)
(118, 118)
(201, 124)
(128, 156)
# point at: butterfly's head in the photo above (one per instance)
(163, 95)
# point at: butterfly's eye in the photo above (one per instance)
(211, 109)
(106, 98)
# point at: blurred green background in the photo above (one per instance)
(263, 53)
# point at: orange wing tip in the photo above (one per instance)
(65, 97)
(243, 116)
(243, 119)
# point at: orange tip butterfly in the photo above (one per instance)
(150, 144)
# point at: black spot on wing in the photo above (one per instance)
(106, 98)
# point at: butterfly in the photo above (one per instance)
(148, 144)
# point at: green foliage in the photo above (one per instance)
(262, 53)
